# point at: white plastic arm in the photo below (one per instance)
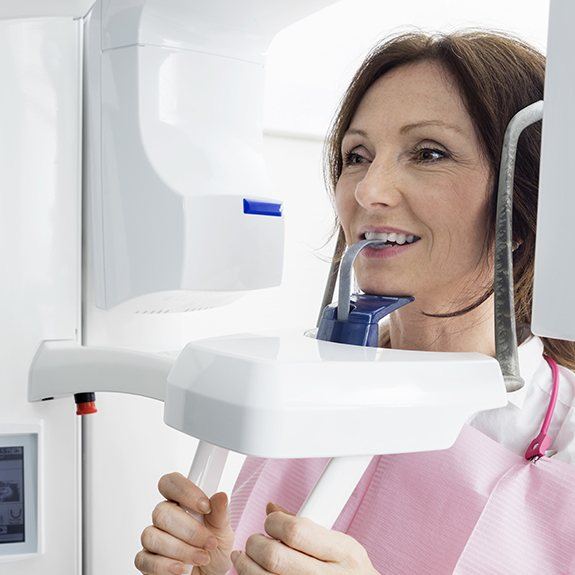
(206, 472)
(208, 466)
(333, 489)
(62, 368)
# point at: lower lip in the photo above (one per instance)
(384, 253)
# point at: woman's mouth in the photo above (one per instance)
(393, 244)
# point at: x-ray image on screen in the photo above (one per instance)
(12, 495)
(9, 491)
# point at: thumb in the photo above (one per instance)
(218, 516)
(271, 507)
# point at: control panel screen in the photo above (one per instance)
(11, 494)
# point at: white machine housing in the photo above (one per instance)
(357, 400)
(553, 295)
(173, 154)
(317, 398)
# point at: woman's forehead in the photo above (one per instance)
(420, 94)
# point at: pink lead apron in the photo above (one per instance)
(475, 508)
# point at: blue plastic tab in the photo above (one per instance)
(361, 328)
(262, 208)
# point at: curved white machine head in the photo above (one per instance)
(322, 399)
(180, 214)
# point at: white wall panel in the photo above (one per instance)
(40, 255)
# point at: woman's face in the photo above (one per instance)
(412, 162)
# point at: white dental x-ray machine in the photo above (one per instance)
(177, 217)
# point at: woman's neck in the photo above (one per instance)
(473, 331)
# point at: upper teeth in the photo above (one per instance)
(391, 237)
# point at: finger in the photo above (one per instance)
(246, 566)
(161, 543)
(271, 507)
(172, 519)
(308, 537)
(176, 487)
(276, 557)
(151, 564)
(219, 516)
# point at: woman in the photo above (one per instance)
(414, 153)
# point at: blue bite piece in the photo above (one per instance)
(361, 327)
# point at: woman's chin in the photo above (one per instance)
(382, 290)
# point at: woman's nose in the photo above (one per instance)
(379, 187)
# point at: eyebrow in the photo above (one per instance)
(439, 123)
(409, 127)
(352, 131)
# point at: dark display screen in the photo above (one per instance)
(11, 495)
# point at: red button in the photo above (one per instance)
(86, 408)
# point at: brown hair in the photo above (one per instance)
(497, 75)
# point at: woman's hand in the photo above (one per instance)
(176, 539)
(298, 546)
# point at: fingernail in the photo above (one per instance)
(211, 543)
(204, 505)
(177, 569)
(235, 554)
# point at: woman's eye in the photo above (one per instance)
(429, 155)
(425, 155)
(353, 158)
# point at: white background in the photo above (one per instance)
(311, 63)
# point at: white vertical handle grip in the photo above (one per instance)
(333, 489)
(206, 472)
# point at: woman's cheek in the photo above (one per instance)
(344, 212)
